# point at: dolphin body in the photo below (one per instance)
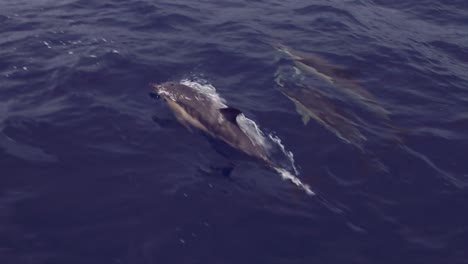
(312, 104)
(197, 109)
(335, 75)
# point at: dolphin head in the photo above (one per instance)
(167, 90)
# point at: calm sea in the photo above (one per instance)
(90, 175)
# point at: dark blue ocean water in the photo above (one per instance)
(87, 176)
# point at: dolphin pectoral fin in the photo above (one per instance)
(230, 114)
(301, 110)
(305, 119)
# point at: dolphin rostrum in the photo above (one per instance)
(195, 108)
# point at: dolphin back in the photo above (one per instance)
(210, 114)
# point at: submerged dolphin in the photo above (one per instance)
(195, 108)
(335, 75)
(312, 104)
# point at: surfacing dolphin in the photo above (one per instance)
(335, 75)
(195, 108)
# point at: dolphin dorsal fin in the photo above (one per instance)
(230, 114)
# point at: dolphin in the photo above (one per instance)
(312, 104)
(335, 75)
(194, 108)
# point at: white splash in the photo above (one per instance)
(164, 92)
(207, 89)
(47, 44)
(286, 175)
(253, 132)
(272, 145)
(287, 153)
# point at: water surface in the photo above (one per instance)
(87, 176)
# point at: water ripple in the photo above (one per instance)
(82, 160)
